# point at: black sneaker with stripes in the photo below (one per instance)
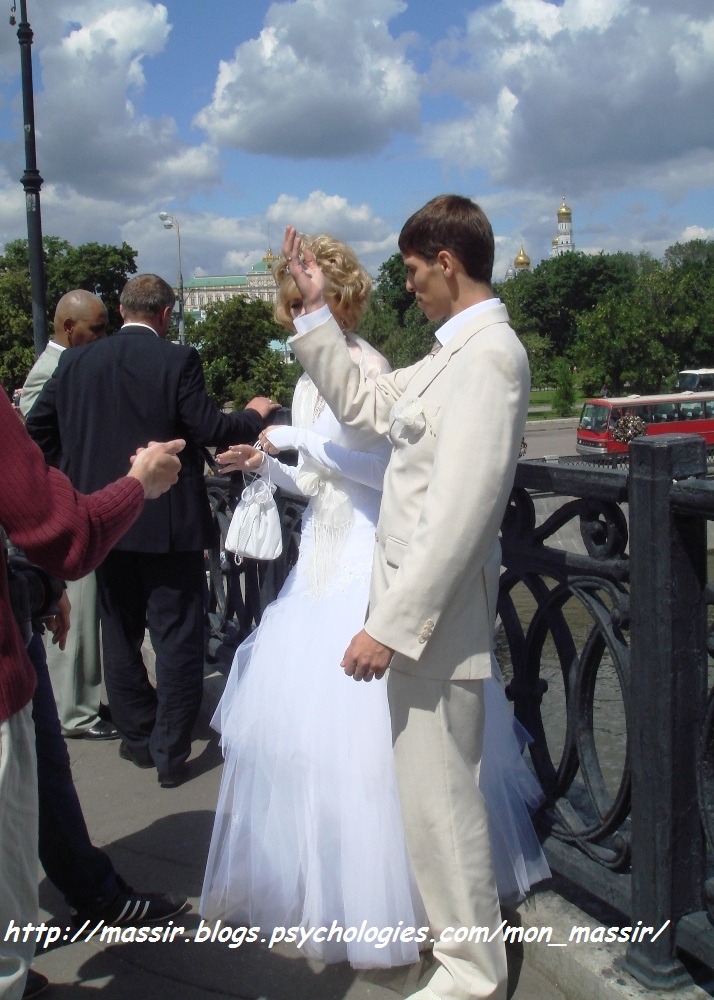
(129, 908)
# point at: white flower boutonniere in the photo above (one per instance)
(410, 414)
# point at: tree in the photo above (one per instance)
(409, 344)
(268, 375)
(96, 267)
(238, 331)
(692, 253)
(379, 323)
(17, 352)
(635, 341)
(549, 299)
(391, 286)
(540, 354)
(219, 384)
(564, 395)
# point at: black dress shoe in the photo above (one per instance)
(172, 779)
(101, 730)
(142, 758)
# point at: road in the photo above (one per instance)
(550, 437)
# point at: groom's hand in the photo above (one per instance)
(366, 658)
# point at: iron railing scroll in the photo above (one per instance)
(635, 836)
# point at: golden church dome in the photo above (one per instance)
(564, 212)
(522, 259)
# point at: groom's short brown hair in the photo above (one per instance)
(455, 223)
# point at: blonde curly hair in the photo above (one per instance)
(347, 289)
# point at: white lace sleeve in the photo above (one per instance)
(365, 467)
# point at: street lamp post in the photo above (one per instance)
(32, 182)
(171, 222)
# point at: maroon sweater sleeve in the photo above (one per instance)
(61, 530)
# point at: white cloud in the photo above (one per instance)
(370, 236)
(93, 136)
(324, 78)
(585, 95)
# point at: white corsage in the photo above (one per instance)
(410, 414)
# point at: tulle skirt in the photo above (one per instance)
(308, 830)
(512, 794)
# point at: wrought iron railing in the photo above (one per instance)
(628, 769)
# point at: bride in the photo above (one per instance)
(308, 830)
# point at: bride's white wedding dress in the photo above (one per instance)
(308, 829)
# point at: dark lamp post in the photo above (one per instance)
(32, 182)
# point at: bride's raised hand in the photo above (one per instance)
(304, 270)
(240, 458)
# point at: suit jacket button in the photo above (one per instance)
(426, 631)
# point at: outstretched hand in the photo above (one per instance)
(304, 271)
(157, 466)
(240, 458)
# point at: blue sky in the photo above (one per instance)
(345, 117)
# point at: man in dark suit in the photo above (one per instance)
(103, 402)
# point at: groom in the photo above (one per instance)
(455, 421)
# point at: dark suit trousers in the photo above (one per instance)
(82, 873)
(165, 591)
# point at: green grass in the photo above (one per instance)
(544, 397)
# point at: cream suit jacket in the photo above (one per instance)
(42, 369)
(455, 448)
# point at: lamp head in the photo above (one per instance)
(167, 220)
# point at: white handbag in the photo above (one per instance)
(255, 531)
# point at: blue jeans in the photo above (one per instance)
(81, 872)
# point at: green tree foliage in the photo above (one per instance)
(634, 342)
(412, 341)
(549, 299)
(540, 355)
(237, 331)
(379, 323)
(17, 353)
(100, 268)
(220, 386)
(694, 253)
(564, 395)
(268, 375)
(96, 267)
(391, 289)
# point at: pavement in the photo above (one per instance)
(158, 840)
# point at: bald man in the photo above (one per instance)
(75, 671)
(80, 318)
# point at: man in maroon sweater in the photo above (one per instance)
(68, 534)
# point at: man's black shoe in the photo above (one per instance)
(142, 758)
(129, 908)
(172, 779)
(101, 730)
(35, 984)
